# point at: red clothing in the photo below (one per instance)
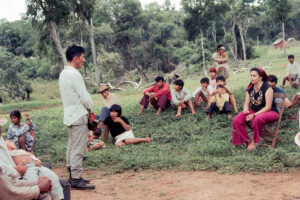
(165, 89)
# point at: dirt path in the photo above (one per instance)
(163, 185)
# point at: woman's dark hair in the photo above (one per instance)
(220, 86)
(179, 82)
(74, 51)
(273, 78)
(159, 78)
(116, 108)
(220, 78)
(204, 80)
(260, 72)
(16, 113)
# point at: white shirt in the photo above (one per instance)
(6, 162)
(74, 95)
(209, 88)
(293, 68)
(184, 95)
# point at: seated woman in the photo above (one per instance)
(22, 135)
(262, 109)
(181, 97)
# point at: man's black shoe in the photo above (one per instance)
(80, 184)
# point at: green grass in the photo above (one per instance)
(188, 143)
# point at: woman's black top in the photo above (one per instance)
(258, 99)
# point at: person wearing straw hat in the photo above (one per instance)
(76, 102)
(108, 100)
(19, 189)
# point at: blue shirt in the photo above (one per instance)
(278, 100)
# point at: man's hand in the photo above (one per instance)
(21, 170)
(45, 184)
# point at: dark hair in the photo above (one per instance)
(220, 78)
(273, 78)
(291, 56)
(219, 46)
(179, 82)
(0, 100)
(116, 108)
(204, 80)
(98, 132)
(74, 51)
(159, 78)
(220, 86)
(16, 113)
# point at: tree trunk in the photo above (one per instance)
(203, 53)
(214, 32)
(234, 41)
(143, 75)
(243, 44)
(283, 37)
(81, 44)
(55, 37)
(93, 49)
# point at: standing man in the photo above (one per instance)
(76, 100)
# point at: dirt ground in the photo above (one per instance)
(164, 185)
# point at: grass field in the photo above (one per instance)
(188, 143)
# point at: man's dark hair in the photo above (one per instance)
(219, 46)
(74, 51)
(159, 78)
(179, 82)
(220, 78)
(273, 78)
(16, 113)
(291, 56)
(116, 108)
(221, 86)
(204, 80)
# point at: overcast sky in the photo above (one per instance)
(13, 9)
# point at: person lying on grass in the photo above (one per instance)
(222, 81)
(21, 134)
(203, 93)
(219, 102)
(158, 95)
(119, 128)
(181, 97)
(259, 109)
(108, 100)
(34, 169)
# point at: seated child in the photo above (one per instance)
(219, 102)
(181, 97)
(22, 135)
(34, 169)
(119, 128)
(203, 93)
(213, 76)
(109, 99)
(293, 71)
(222, 81)
(94, 143)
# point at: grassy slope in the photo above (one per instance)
(188, 143)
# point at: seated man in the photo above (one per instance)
(219, 102)
(293, 72)
(203, 93)
(34, 169)
(159, 95)
(220, 58)
(272, 81)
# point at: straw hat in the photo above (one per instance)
(103, 87)
(297, 139)
(3, 121)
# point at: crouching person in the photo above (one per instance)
(119, 128)
(181, 97)
(158, 95)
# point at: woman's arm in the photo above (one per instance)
(125, 126)
(246, 104)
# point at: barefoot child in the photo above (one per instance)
(119, 128)
(108, 100)
(22, 135)
(293, 71)
(203, 93)
(181, 97)
(219, 102)
(34, 169)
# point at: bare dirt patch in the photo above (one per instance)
(165, 185)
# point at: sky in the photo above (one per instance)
(13, 9)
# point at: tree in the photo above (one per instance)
(280, 10)
(50, 13)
